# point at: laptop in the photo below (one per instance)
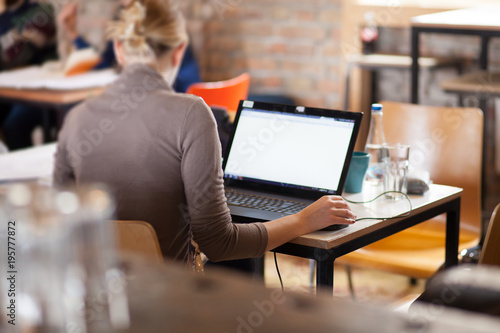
(281, 158)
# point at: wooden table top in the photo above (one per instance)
(46, 96)
(398, 61)
(46, 84)
(382, 207)
(477, 18)
(477, 82)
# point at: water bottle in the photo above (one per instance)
(374, 144)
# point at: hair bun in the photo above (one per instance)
(133, 17)
(148, 29)
(136, 12)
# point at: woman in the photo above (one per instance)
(159, 151)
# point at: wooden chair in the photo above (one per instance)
(447, 142)
(490, 253)
(138, 237)
(226, 94)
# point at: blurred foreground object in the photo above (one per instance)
(61, 260)
(168, 298)
(466, 287)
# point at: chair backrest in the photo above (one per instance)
(447, 142)
(490, 253)
(226, 94)
(138, 237)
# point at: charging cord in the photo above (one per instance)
(278, 271)
(378, 196)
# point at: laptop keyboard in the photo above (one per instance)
(264, 203)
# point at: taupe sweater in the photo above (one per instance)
(159, 153)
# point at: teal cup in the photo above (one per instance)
(356, 173)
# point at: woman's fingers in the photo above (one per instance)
(346, 214)
(341, 211)
(326, 211)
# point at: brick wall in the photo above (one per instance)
(288, 47)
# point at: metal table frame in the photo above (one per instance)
(325, 258)
(485, 36)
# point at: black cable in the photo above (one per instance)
(278, 270)
(382, 218)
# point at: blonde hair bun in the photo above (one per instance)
(148, 29)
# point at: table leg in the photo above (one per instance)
(415, 50)
(47, 137)
(483, 105)
(324, 270)
(452, 230)
(487, 140)
(483, 60)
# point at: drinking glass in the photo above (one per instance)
(396, 162)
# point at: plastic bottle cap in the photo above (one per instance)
(376, 107)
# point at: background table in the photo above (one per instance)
(47, 97)
(482, 22)
(373, 62)
(60, 100)
(45, 87)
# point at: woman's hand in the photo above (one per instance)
(67, 19)
(324, 212)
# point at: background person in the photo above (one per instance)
(27, 37)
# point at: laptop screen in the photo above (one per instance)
(292, 148)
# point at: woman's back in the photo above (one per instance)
(148, 144)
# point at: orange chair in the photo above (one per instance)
(226, 94)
